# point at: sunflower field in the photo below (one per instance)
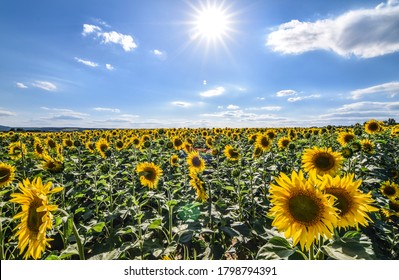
(191, 194)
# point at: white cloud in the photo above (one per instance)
(241, 116)
(364, 33)
(232, 107)
(182, 104)
(101, 109)
(45, 85)
(20, 85)
(213, 92)
(86, 62)
(109, 67)
(159, 54)
(204, 82)
(300, 98)
(4, 113)
(266, 108)
(89, 28)
(126, 41)
(285, 92)
(390, 89)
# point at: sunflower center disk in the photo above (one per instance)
(304, 209)
(4, 174)
(196, 162)
(387, 190)
(34, 217)
(149, 174)
(324, 162)
(343, 202)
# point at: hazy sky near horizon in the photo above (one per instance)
(181, 63)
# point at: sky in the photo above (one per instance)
(181, 63)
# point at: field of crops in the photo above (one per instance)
(221, 194)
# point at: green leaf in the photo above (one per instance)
(156, 224)
(98, 227)
(68, 227)
(357, 247)
(111, 255)
(276, 249)
(71, 250)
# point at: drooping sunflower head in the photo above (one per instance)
(149, 173)
(53, 165)
(344, 138)
(346, 152)
(322, 160)
(198, 186)
(231, 153)
(38, 148)
(353, 205)
(35, 216)
(367, 146)
(283, 143)
(195, 162)
(300, 210)
(264, 142)
(7, 174)
(257, 152)
(373, 127)
(389, 189)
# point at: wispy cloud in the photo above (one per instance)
(232, 107)
(5, 113)
(86, 62)
(364, 33)
(45, 85)
(390, 89)
(182, 104)
(63, 114)
(285, 92)
(101, 109)
(266, 108)
(300, 98)
(213, 92)
(21, 85)
(112, 37)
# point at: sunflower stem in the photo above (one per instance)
(311, 252)
(76, 233)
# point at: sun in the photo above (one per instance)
(211, 23)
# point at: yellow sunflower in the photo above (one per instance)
(53, 165)
(323, 160)
(300, 210)
(149, 174)
(373, 127)
(198, 186)
(195, 162)
(35, 216)
(283, 142)
(7, 174)
(102, 147)
(353, 205)
(344, 138)
(231, 153)
(264, 142)
(367, 146)
(174, 160)
(177, 143)
(16, 150)
(389, 189)
(38, 148)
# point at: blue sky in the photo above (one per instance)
(180, 63)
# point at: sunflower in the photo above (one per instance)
(390, 189)
(198, 186)
(53, 165)
(67, 142)
(177, 143)
(102, 146)
(91, 146)
(195, 162)
(367, 146)
(149, 174)
(300, 210)
(373, 127)
(231, 153)
(264, 142)
(283, 142)
(16, 150)
(353, 205)
(346, 152)
(174, 160)
(35, 216)
(323, 160)
(344, 138)
(7, 174)
(38, 148)
(119, 144)
(257, 152)
(50, 143)
(187, 147)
